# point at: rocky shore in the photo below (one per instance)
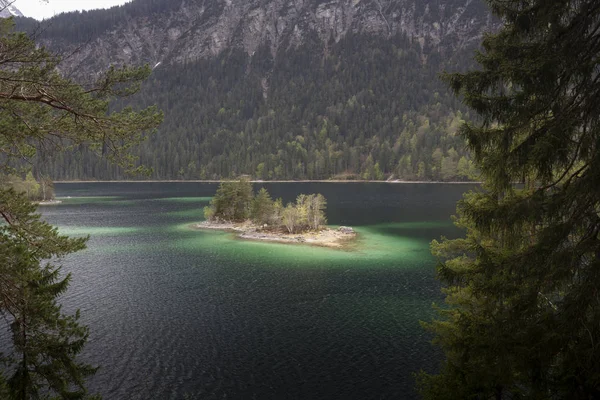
(48, 202)
(326, 237)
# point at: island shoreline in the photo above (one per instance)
(47, 202)
(342, 238)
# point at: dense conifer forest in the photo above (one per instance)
(366, 107)
(369, 109)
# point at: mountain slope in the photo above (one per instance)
(176, 31)
(7, 9)
(284, 89)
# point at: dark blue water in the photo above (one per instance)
(175, 312)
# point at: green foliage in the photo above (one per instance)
(209, 213)
(308, 213)
(45, 111)
(522, 288)
(262, 208)
(365, 107)
(34, 190)
(277, 215)
(311, 211)
(291, 217)
(235, 202)
(41, 110)
(45, 341)
(232, 202)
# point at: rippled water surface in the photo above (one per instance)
(176, 312)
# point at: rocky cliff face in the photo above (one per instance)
(7, 9)
(191, 30)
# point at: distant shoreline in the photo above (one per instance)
(278, 181)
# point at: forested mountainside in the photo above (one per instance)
(282, 89)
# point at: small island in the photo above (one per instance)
(39, 191)
(258, 217)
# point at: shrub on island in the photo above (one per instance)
(235, 202)
(35, 190)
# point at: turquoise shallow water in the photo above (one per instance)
(372, 249)
(176, 312)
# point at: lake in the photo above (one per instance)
(175, 312)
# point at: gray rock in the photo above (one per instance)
(201, 30)
(346, 229)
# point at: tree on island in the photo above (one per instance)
(35, 190)
(523, 287)
(263, 208)
(291, 217)
(234, 201)
(312, 210)
(40, 109)
(46, 188)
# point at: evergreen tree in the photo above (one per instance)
(235, 202)
(45, 111)
(524, 315)
(40, 109)
(45, 341)
(232, 202)
(262, 208)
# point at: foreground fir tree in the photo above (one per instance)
(523, 287)
(45, 341)
(40, 109)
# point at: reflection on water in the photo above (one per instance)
(176, 312)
